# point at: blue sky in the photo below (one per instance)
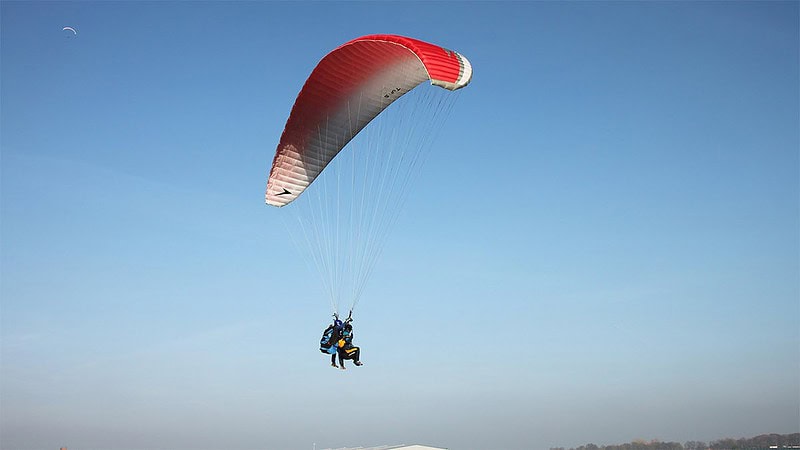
(612, 252)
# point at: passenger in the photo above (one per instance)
(346, 348)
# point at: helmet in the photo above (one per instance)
(337, 323)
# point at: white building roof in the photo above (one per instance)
(391, 447)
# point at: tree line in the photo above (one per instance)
(764, 441)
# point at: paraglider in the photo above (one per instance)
(350, 150)
(74, 33)
(369, 72)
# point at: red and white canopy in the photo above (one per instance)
(349, 87)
